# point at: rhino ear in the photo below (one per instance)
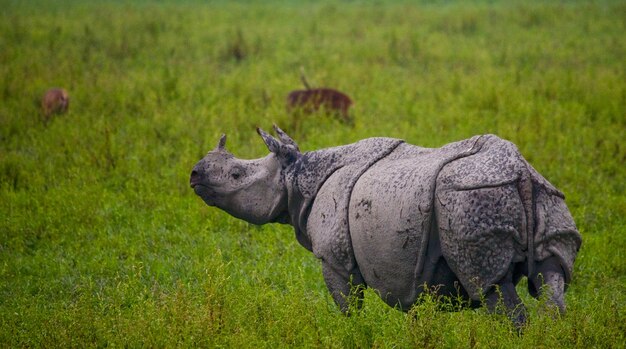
(285, 138)
(222, 143)
(286, 153)
(272, 144)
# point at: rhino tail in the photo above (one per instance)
(550, 227)
(525, 188)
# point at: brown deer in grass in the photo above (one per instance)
(54, 101)
(312, 100)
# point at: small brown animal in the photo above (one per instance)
(311, 100)
(54, 101)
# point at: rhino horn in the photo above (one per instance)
(222, 143)
(287, 153)
(285, 138)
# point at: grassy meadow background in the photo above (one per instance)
(103, 243)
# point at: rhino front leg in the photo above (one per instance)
(549, 277)
(345, 287)
(505, 291)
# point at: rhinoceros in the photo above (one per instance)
(467, 220)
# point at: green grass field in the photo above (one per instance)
(103, 243)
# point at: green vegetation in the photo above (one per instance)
(103, 243)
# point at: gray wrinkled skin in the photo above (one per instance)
(468, 219)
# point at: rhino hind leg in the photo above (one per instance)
(446, 284)
(504, 293)
(549, 277)
(478, 230)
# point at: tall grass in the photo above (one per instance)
(102, 243)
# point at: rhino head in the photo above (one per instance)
(252, 190)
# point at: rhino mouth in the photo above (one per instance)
(194, 182)
(204, 192)
(195, 179)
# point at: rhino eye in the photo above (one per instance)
(236, 173)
